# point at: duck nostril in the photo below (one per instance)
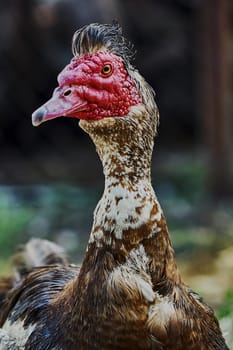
(67, 92)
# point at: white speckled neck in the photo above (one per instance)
(121, 209)
(125, 146)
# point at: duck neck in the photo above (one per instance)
(128, 217)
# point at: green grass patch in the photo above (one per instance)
(226, 309)
(13, 228)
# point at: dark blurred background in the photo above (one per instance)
(184, 51)
(51, 177)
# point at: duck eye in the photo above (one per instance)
(67, 92)
(107, 69)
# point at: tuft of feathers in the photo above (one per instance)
(35, 253)
(106, 37)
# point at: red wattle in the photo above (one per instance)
(100, 94)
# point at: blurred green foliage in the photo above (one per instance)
(13, 223)
(226, 308)
(14, 220)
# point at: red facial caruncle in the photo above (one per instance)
(91, 87)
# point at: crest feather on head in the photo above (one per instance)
(108, 37)
(102, 37)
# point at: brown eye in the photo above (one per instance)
(107, 69)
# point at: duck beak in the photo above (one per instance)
(58, 106)
(50, 110)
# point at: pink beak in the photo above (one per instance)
(59, 105)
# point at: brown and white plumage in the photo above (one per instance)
(35, 253)
(128, 293)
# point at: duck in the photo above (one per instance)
(128, 292)
(35, 253)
